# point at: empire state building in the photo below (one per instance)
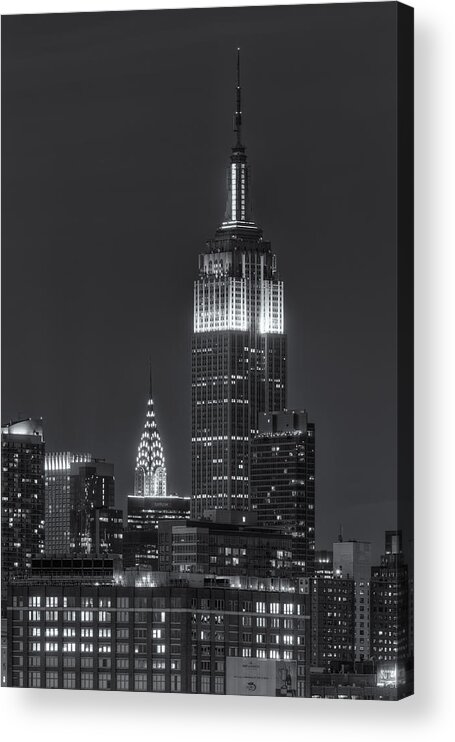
(239, 344)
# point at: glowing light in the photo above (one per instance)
(150, 476)
(234, 223)
(220, 304)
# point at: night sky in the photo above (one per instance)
(117, 130)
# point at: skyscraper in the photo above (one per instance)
(389, 604)
(96, 525)
(22, 495)
(283, 481)
(239, 344)
(150, 474)
(57, 468)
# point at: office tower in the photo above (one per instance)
(353, 559)
(150, 473)
(188, 638)
(96, 525)
(239, 345)
(389, 604)
(22, 495)
(57, 467)
(223, 548)
(332, 622)
(140, 546)
(283, 481)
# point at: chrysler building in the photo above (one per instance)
(150, 472)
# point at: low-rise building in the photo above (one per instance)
(199, 635)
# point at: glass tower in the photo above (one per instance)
(239, 345)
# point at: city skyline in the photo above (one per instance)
(340, 476)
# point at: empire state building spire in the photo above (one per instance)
(150, 473)
(238, 346)
(238, 109)
(238, 207)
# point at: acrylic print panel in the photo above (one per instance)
(207, 351)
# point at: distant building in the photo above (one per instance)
(150, 474)
(140, 548)
(389, 604)
(393, 542)
(353, 559)
(332, 622)
(323, 563)
(96, 525)
(223, 548)
(192, 637)
(22, 495)
(283, 481)
(57, 468)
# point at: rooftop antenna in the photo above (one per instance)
(238, 108)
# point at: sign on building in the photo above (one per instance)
(246, 676)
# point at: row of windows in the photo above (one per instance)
(71, 601)
(106, 616)
(104, 681)
(87, 663)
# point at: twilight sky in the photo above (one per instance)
(117, 130)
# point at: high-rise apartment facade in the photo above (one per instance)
(332, 622)
(389, 604)
(352, 559)
(283, 481)
(238, 348)
(22, 495)
(57, 469)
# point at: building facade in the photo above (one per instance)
(389, 605)
(140, 547)
(178, 639)
(332, 622)
(353, 559)
(96, 525)
(323, 563)
(57, 469)
(82, 569)
(364, 681)
(283, 481)
(238, 348)
(22, 495)
(223, 549)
